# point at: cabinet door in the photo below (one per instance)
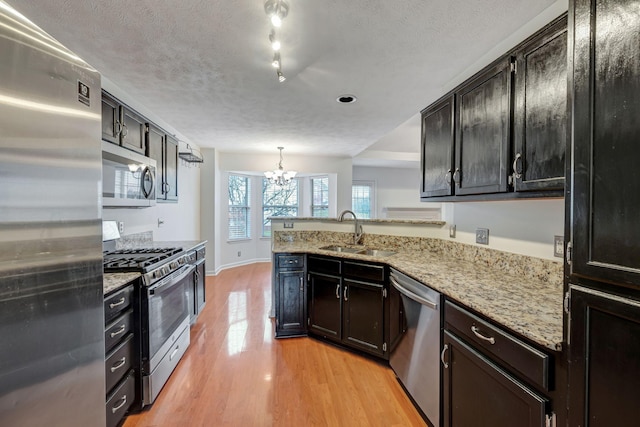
(605, 360)
(291, 319)
(363, 316)
(540, 111)
(483, 132)
(437, 148)
(155, 150)
(171, 168)
(111, 122)
(133, 131)
(606, 108)
(201, 297)
(477, 392)
(325, 303)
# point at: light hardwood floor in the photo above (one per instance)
(236, 374)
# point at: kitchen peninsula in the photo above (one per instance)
(507, 306)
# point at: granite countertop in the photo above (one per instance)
(528, 306)
(114, 281)
(361, 220)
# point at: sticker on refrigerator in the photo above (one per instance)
(83, 93)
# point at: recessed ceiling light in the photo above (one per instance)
(346, 99)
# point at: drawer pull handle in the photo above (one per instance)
(338, 291)
(119, 365)
(115, 304)
(490, 340)
(114, 409)
(444, 350)
(123, 327)
(346, 298)
(174, 353)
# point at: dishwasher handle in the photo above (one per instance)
(412, 295)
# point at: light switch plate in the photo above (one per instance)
(452, 231)
(482, 236)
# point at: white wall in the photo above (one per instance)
(520, 226)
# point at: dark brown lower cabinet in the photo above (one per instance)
(325, 305)
(477, 392)
(291, 317)
(363, 315)
(604, 373)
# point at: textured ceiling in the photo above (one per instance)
(205, 66)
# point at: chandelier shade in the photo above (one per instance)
(280, 176)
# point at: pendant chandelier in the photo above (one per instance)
(280, 176)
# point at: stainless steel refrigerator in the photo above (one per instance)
(51, 302)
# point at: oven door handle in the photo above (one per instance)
(170, 281)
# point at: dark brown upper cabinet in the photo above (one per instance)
(502, 133)
(540, 111)
(437, 148)
(605, 193)
(163, 149)
(122, 126)
(482, 131)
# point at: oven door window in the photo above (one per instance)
(168, 308)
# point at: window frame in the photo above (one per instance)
(372, 198)
(246, 207)
(267, 223)
(321, 206)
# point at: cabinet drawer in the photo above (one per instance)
(118, 363)
(358, 270)
(525, 359)
(117, 303)
(325, 265)
(120, 328)
(290, 261)
(120, 401)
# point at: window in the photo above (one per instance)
(278, 201)
(239, 215)
(363, 199)
(320, 197)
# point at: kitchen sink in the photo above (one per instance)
(370, 252)
(377, 252)
(347, 249)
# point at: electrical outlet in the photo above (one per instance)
(558, 246)
(452, 231)
(121, 226)
(482, 236)
(288, 225)
(239, 253)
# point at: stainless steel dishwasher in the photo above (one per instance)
(416, 358)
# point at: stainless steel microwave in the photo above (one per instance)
(128, 178)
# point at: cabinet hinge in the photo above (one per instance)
(384, 346)
(550, 420)
(569, 253)
(384, 293)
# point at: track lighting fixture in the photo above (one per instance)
(276, 10)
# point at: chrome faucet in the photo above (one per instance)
(357, 232)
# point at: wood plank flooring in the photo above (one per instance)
(236, 374)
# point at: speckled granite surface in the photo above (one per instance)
(519, 292)
(114, 281)
(362, 220)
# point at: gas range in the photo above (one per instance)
(153, 263)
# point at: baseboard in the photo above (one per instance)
(236, 264)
